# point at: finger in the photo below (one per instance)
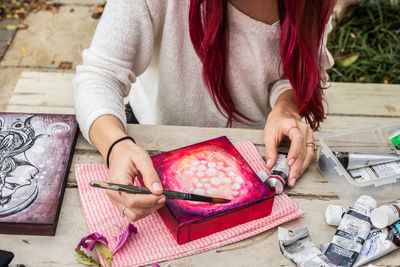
(133, 201)
(297, 145)
(310, 153)
(129, 214)
(149, 174)
(271, 153)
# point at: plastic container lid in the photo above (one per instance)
(383, 217)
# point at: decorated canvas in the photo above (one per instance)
(212, 168)
(35, 154)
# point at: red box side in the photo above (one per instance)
(223, 221)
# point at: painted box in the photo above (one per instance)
(35, 155)
(213, 168)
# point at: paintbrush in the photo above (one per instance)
(168, 193)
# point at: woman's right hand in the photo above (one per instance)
(128, 160)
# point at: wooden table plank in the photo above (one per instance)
(259, 250)
(363, 99)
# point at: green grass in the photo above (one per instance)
(373, 31)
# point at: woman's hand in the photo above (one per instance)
(127, 160)
(285, 121)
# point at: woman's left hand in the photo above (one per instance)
(281, 124)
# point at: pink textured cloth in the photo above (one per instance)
(153, 242)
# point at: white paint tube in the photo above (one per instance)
(298, 247)
(379, 243)
(352, 232)
(386, 215)
(334, 214)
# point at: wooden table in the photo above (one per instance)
(312, 191)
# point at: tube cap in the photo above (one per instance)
(334, 214)
(382, 217)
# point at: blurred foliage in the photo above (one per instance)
(18, 9)
(366, 47)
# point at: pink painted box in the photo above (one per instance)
(213, 168)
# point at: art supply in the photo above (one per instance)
(353, 160)
(379, 243)
(298, 247)
(375, 172)
(278, 176)
(168, 193)
(386, 215)
(394, 136)
(334, 214)
(35, 155)
(214, 168)
(352, 232)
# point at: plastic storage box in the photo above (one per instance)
(372, 140)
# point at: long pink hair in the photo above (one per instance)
(302, 27)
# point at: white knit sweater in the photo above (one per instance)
(142, 48)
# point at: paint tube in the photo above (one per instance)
(334, 214)
(298, 247)
(386, 215)
(379, 243)
(352, 160)
(394, 136)
(352, 232)
(278, 176)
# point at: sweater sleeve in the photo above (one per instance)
(326, 61)
(120, 50)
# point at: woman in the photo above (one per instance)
(217, 63)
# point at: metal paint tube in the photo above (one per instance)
(334, 214)
(353, 160)
(352, 232)
(278, 176)
(298, 247)
(386, 215)
(379, 243)
(394, 136)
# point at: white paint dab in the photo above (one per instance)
(198, 191)
(215, 181)
(202, 167)
(199, 184)
(211, 172)
(239, 179)
(199, 174)
(236, 186)
(235, 193)
(212, 165)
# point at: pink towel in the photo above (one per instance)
(153, 242)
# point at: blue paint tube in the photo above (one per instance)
(352, 232)
(379, 243)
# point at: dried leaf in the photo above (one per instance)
(352, 35)
(385, 79)
(11, 27)
(22, 26)
(97, 12)
(347, 60)
(65, 65)
(24, 49)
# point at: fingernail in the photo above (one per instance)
(161, 200)
(157, 187)
(290, 162)
(269, 162)
(292, 182)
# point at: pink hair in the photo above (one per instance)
(302, 27)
